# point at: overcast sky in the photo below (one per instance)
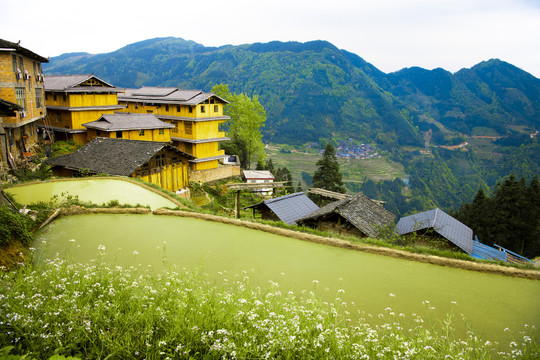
(390, 34)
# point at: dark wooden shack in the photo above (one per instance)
(356, 215)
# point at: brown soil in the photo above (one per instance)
(13, 255)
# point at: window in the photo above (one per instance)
(58, 118)
(175, 128)
(38, 98)
(64, 97)
(178, 108)
(216, 108)
(34, 66)
(21, 97)
(203, 109)
(14, 60)
(191, 109)
(141, 132)
(166, 107)
(21, 67)
(118, 134)
(188, 127)
(161, 131)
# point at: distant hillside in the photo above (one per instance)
(314, 90)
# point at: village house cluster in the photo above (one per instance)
(184, 125)
(169, 137)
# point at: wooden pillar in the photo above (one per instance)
(238, 204)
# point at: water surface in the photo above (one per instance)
(97, 191)
(490, 303)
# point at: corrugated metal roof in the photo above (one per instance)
(127, 121)
(455, 231)
(290, 208)
(112, 156)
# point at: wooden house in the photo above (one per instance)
(74, 100)
(355, 215)
(155, 162)
(145, 127)
(21, 83)
(196, 117)
(288, 208)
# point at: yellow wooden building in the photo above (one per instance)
(196, 117)
(73, 100)
(21, 83)
(146, 127)
(156, 162)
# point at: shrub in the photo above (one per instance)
(14, 226)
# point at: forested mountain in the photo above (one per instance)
(314, 90)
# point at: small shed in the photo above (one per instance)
(355, 215)
(155, 162)
(288, 208)
(441, 223)
(259, 176)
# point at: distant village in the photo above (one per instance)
(348, 150)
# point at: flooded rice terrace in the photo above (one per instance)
(97, 191)
(495, 306)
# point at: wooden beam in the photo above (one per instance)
(328, 193)
(254, 186)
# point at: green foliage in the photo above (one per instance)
(327, 176)
(63, 147)
(14, 226)
(43, 172)
(247, 117)
(510, 218)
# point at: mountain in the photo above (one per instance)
(314, 90)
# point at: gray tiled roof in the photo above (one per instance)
(4, 44)
(290, 208)
(442, 223)
(127, 121)
(112, 156)
(70, 83)
(365, 214)
(167, 95)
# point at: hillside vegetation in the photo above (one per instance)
(315, 92)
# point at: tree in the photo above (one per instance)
(247, 117)
(327, 176)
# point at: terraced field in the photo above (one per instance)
(353, 170)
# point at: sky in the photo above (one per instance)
(389, 34)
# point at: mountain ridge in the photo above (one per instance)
(314, 90)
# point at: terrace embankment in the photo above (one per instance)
(401, 254)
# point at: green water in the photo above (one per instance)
(490, 303)
(97, 191)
